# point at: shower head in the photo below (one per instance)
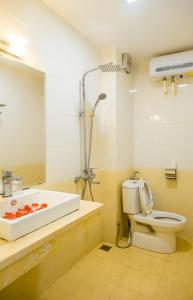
(100, 97)
(110, 68)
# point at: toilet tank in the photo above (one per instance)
(130, 197)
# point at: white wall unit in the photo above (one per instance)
(172, 64)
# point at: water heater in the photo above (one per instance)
(172, 65)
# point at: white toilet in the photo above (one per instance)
(151, 229)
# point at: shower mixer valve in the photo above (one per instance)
(87, 175)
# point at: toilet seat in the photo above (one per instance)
(161, 219)
(155, 217)
(146, 198)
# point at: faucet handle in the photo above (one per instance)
(77, 179)
(96, 182)
(16, 183)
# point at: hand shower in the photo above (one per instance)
(100, 97)
(91, 115)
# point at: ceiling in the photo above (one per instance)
(144, 28)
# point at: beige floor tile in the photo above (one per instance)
(72, 278)
(132, 280)
(154, 254)
(110, 271)
(144, 275)
(89, 263)
(92, 289)
(150, 264)
(127, 294)
(124, 256)
(140, 281)
(149, 285)
(176, 282)
(54, 294)
(180, 266)
(174, 289)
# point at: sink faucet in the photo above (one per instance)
(7, 183)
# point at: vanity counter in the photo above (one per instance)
(10, 252)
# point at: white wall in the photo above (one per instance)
(63, 55)
(116, 145)
(163, 125)
(109, 153)
(124, 111)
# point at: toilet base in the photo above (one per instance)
(159, 242)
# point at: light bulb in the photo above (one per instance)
(130, 1)
(17, 45)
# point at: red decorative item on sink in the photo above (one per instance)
(27, 209)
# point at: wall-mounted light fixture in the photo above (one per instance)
(14, 46)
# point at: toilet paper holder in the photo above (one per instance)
(171, 173)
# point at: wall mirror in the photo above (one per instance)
(22, 122)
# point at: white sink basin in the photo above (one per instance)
(59, 205)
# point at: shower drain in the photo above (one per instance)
(105, 248)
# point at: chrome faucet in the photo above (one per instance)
(7, 183)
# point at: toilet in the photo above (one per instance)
(150, 229)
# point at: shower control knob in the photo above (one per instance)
(77, 179)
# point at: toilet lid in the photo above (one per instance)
(145, 197)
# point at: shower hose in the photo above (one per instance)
(118, 236)
(90, 189)
(89, 180)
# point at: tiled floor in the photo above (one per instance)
(128, 274)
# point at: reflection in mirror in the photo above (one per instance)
(22, 124)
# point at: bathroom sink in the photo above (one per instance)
(58, 205)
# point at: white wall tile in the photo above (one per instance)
(62, 164)
(163, 125)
